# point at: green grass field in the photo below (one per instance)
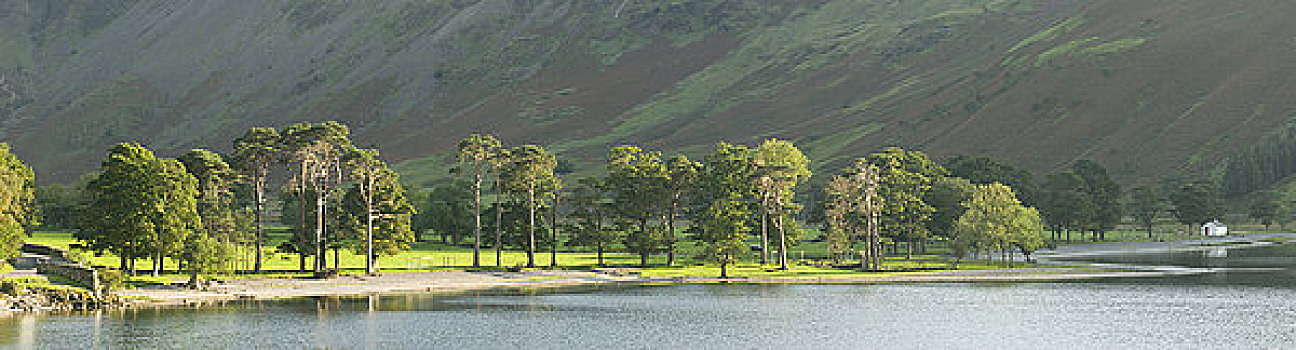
(807, 259)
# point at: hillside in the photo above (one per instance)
(1150, 88)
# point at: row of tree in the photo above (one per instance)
(735, 194)
(201, 208)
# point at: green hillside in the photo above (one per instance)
(1149, 88)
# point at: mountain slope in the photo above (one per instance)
(1149, 88)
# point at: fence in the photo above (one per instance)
(59, 263)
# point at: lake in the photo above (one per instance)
(1244, 301)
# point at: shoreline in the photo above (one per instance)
(469, 282)
(458, 282)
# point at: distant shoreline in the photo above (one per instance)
(467, 282)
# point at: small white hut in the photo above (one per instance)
(1214, 229)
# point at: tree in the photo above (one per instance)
(376, 210)
(475, 152)
(317, 148)
(906, 177)
(590, 209)
(532, 167)
(254, 153)
(214, 178)
(1267, 207)
(1065, 206)
(985, 171)
(996, 218)
(637, 182)
(203, 255)
(682, 175)
(1104, 194)
(443, 210)
(852, 212)
(60, 205)
(1145, 204)
(1196, 203)
(17, 196)
(723, 204)
(780, 167)
(947, 196)
(175, 216)
(500, 162)
(367, 172)
(140, 206)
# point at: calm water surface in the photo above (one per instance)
(1246, 303)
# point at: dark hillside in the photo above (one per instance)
(1148, 88)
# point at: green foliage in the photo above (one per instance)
(1196, 203)
(254, 153)
(637, 183)
(317, 148)
(59, 205)
(446, 211)
(779, 168)
(1267, 162)
(476, 152)
(1103, 192)
(1145, 204)
(215, 198)
(985, 171)
(17, 202)
(530, 171)
(854, 205)
(995, 218)
(1266, 206)
(204, 255)
(906, 179)
(948, 196)
(722, 205)
(392, 229)
(140, 205)
(111, 280)
(591, 211)
(1064, 203)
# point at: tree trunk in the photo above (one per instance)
(499, 222)
(764, 230)
(553, 230)
(369, 270)
(670, 234)
(724, 266)
(301, 262)
(782, 243)
(531, 226)
(320, 251)
(477, 181)
(647, 239)
(600, 253)
(260, 207)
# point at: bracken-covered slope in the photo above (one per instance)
(1150, 88)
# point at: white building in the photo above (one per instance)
(1214, 228)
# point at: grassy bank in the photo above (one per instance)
(806, 260)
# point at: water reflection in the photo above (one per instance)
(1245, 304)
